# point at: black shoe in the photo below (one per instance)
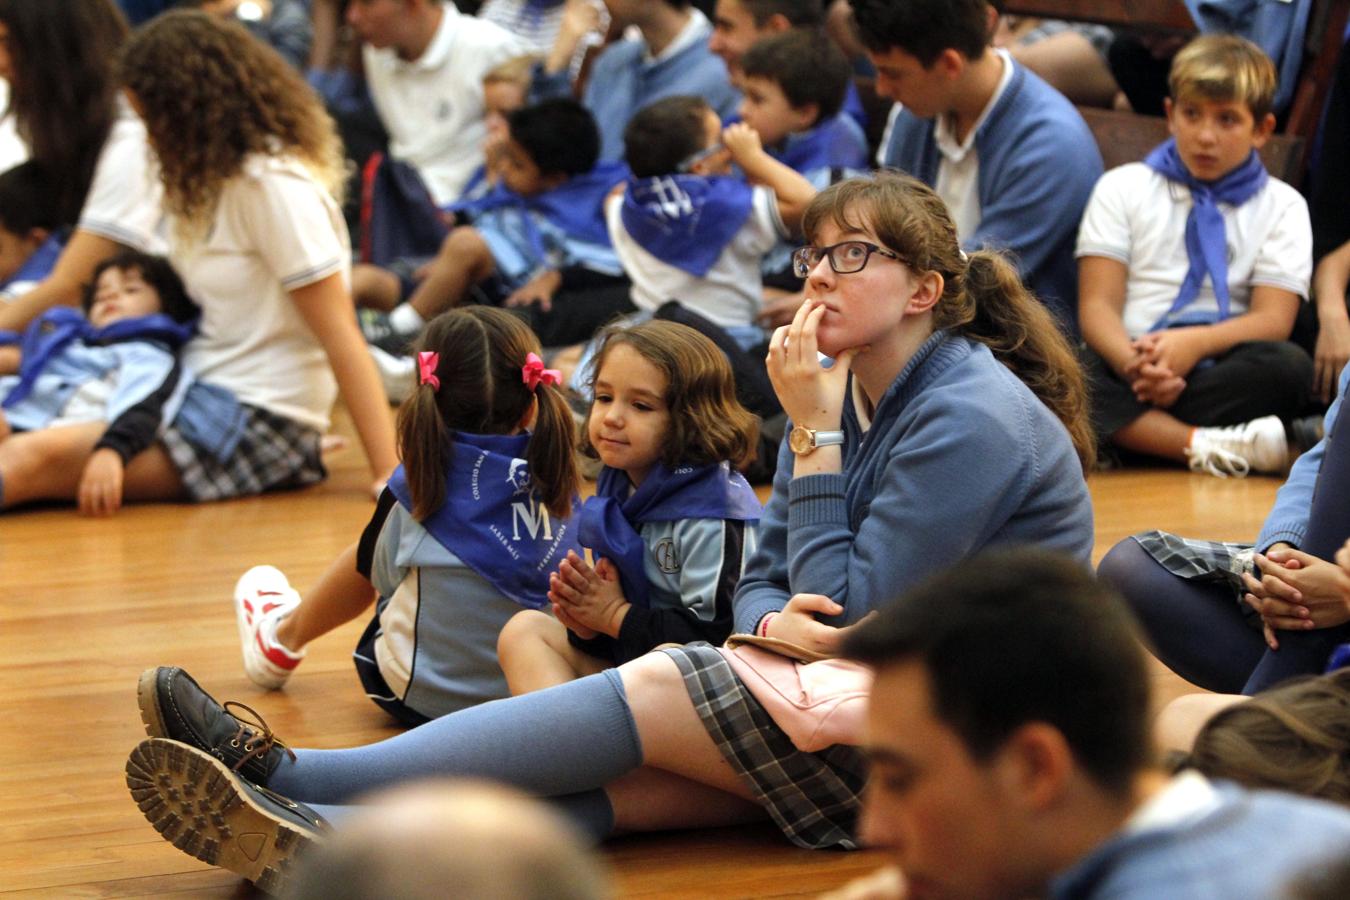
(380, 332)
(174, 706)
(209, 812)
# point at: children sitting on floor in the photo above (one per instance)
(118, 366)
(29, 240)
(1191, 266)
(687, 230)
(543, 218)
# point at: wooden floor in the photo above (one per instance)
(86, 605)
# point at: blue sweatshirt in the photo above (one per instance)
(1038, 163)
(960, 456)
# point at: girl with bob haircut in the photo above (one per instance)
(464, 536)
(250, 167)
(59, 60)
(671, 523)
(920, 446)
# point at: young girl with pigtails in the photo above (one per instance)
(671, 523)
(465, 535)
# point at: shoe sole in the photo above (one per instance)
(196, 804)
(147, 698)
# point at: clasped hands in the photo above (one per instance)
(1162, 360)
(1298, 591)
(586, 599)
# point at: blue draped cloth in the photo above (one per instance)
(56, 328)
(685, 220)
(1206, 237)
(610, 520)
(493, 520)
(836, 143)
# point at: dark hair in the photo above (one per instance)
(923, 28)
(664, 134)
(707, 422)
(558, 134)
(799, 13)
(155, 271)
(482, 350)
(1019, 636)
(63, 92)
(983, 297)
(28, 199)
(1293, 737)
(807, 65)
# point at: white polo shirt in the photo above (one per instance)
(125, 198)
(958, 174)
(275, 229)
(1138, 217)
(432, 106)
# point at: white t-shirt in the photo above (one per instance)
(730, 293)
(958, 174)
(432, 106)
(125, 198)
(275, 229)
(1138, 217)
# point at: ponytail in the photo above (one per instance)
(1024, 336)
(551, 452)
(425, 446)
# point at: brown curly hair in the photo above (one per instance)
(707, 423)
(211, 96)
(983, 297)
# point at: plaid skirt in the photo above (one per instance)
(273, 453)
(1220, 563)
(812, 797)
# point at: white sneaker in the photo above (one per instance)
(1256, 446)
(396, 374)
(262, 598)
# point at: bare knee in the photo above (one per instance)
(375, 287)
(526, 629)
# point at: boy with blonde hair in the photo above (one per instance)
(1191, 266)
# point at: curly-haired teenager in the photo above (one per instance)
(249, 165)
(927, 441)
(58, 59)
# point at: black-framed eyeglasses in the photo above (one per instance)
(846, 257)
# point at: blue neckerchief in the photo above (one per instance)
(836, 143)
(577, 206)
(685, 220)
(610, 520)
(492, 520)
(57, 327)
(1340, 658)
(40, 262)
(1206, 238)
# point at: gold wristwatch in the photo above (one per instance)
(802, 441)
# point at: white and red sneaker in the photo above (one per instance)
(262, 598)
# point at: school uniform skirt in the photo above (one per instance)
(814, 798)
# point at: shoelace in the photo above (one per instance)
(1217, 461)
(253, 736)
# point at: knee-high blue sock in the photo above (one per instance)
(568, 739)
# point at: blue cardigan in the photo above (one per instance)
(960, 456)
(1038, 163)
(622, 82)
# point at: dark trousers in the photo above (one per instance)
(1202, 634)
(1254, 379)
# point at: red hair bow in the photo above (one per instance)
(533, 372)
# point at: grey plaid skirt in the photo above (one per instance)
(1211, 562)
(273, 453)
(812, 797)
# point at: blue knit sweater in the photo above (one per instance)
(960, 456)
(1254, 844)
(1038, 163)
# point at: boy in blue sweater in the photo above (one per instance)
(1192, 264)
(1012, 755)
(1007, 153)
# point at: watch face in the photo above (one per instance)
(799, 440)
